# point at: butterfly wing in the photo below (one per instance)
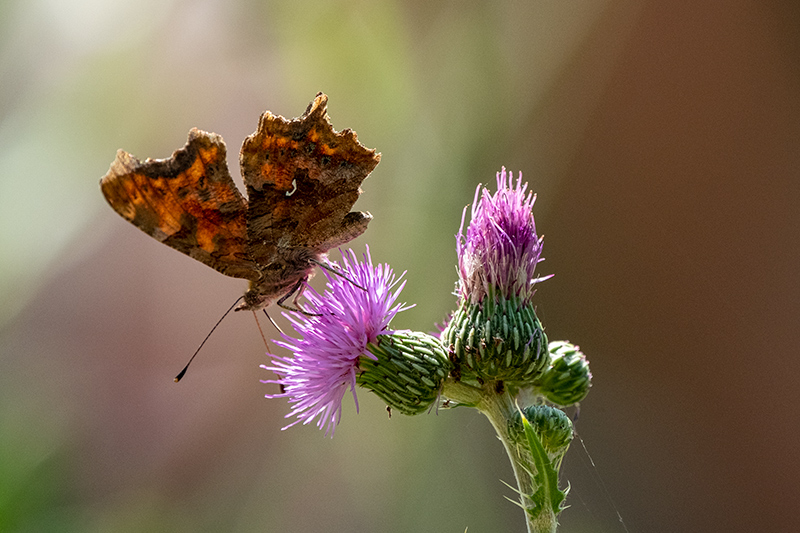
(302, 179)
(189, 202)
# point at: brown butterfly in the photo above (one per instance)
(302, 179)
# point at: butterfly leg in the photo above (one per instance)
(272, 321)
(296, 291)
(335, 270)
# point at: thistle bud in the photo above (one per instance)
(568, 378)
(497, 339)
(408, 372)
(552, 425)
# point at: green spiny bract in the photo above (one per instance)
(409, 371)
(497, 339)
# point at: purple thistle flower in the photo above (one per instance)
(501, 248)
(326, 356)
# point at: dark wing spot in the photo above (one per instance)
(204, 195)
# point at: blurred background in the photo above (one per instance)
(661, 137)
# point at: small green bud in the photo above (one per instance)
(552, 425)
(409, 372)
(568, 378)
(497, 339)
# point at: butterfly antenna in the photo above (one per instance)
(182, 372)
(333, 270)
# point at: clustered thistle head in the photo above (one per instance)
(491, 354)
(344, 338)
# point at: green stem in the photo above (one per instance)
(461, 393)
(501, 411)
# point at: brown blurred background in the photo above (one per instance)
(662, 138)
